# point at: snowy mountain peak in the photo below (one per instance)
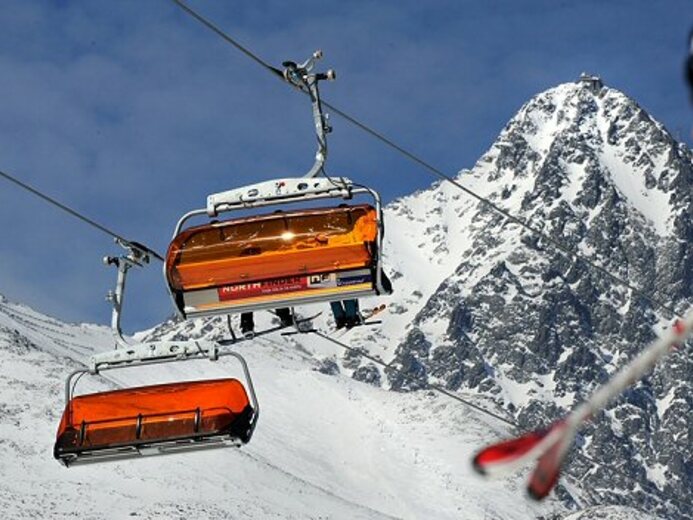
(579, 137)
(502, 313)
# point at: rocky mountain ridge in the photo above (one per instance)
(520, 321)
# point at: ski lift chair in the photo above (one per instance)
(156, 419)
(285, 258)
(280, 259)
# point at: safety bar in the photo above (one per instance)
(301, 77)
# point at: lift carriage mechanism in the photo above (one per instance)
(277, 259)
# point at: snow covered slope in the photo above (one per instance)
(325, 447)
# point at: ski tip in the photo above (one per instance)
(503, 456)
(533, 494)
(543, 480)
(537, 495)
(548, 469)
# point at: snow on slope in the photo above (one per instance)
(325, 446)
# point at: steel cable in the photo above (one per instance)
(78, 215)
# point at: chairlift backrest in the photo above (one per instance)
(271, 246)
(131, 419)
(277, 259)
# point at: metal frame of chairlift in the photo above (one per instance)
(292, 190)
(146, 354)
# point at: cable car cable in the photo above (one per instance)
(428, 166)
(229, 40)
(78, 215)
(433, 386)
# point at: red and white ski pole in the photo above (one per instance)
(551, 444)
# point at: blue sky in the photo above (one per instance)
(132, 112)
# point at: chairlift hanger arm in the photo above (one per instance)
(302, 77)
(137, 255)
(297, 75)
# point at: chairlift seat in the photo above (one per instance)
(154, 419)
(276, 259)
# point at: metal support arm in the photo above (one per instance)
(135, 257)
(301, 77)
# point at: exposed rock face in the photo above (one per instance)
(518, 319)
(610, 513)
